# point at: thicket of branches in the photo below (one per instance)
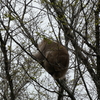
(73, 23)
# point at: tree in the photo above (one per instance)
(75, 24)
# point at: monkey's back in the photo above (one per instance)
(56, 63)
(55, 58)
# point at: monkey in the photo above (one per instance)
(54, 57)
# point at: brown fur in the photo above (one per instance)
(55, 58)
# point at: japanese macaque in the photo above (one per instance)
(54, 58)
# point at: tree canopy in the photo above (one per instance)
(74, 24)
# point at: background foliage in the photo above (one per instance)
(73, 23)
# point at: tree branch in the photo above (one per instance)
(6, 62)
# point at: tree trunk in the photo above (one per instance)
(97, 31)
